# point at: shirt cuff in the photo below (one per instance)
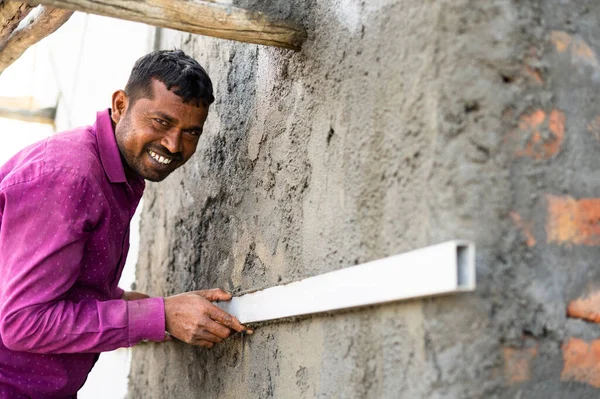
(146, 318)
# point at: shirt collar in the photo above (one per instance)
(109, 151)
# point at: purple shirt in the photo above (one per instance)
(65, 209)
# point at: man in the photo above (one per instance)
(65, 208)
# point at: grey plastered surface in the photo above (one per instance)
(386, 133)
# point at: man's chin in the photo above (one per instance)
(153, 175)
(155, 178)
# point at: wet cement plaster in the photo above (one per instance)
(399, 124)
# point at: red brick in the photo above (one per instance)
(581, 361)
(561, 40)
(587, 308)
(517, 363)
(579, 51)
(538, 136)
(572, 221)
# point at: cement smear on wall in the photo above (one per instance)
(399, 124)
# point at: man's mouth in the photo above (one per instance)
(160, 158)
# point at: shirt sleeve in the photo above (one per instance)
(44, 227)
(119, 292)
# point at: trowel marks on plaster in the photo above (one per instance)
(439, 269)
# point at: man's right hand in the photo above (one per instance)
(192, 317)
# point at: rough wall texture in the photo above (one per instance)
(399, 124)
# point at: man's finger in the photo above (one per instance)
(215, 294)
(219, 315)
(207, 336)
(218, 329)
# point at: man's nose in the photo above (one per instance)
(172, 141)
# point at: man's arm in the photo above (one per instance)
(45, 225)
(193, 318)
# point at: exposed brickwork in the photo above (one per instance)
(581, 361)
(580, 52)
(539, 135)
(517, 363)
(587, 308)
(572, 221)
(561, 40)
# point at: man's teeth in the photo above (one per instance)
(160, 158)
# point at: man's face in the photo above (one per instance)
(156, 135)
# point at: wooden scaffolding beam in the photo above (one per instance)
(26, 109)
(42, 115)
(11, 14)
(47, 21)
(203, 17)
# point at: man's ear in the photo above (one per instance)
(120, 102)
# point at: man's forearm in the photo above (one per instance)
(86, 326)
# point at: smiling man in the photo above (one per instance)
(65, 208)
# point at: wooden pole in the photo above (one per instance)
(11, 14)
(46, 22)
(202, 17)
(42, 115)
(28, 102)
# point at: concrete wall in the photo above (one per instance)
(399, 124)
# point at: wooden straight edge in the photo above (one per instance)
(11, 14)
(439, 269)
(195, 16)
(43, 115)
(45, 23)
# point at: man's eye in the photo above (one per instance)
(161, 122)
(195, 133)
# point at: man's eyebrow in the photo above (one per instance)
(187, 129)
(165, 117)
(172, 120)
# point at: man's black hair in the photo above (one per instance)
(177, 71)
